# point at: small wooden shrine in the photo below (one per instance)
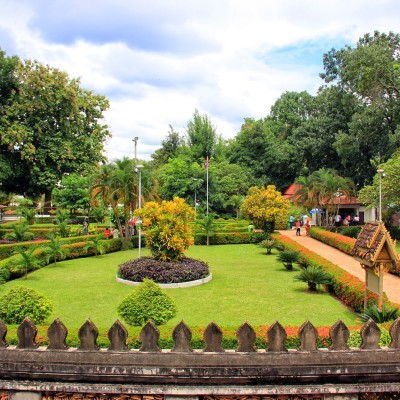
(376, 252)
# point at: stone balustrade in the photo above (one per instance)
(184, 371)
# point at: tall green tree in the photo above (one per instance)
(170, 147)
(201, 136)
(51, 126)
(371, 71)
(72, 193)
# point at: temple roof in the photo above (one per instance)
(375, 245)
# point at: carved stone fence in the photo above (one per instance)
(210, 371)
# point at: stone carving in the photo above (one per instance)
(26, 333)
(395, 334)
(57, 334)
(118, 336)
(150, 336)
(182, 336)
(308, 337)
(246, 337)
(213, 338)
(276, 337)
(370, 334)
(88, 334)
(339, 335)
(3, 333)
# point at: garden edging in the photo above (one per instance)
(171, 285)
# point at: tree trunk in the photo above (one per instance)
(47, 202)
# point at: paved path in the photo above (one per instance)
(391, 283)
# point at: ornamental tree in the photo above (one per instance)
(168, 228)
(266, 207)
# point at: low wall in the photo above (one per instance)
(34, 372)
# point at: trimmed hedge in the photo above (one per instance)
(230, 238)
(76, 250)
(336, 240)
(340, 242)
(348, 288)
(7, 250)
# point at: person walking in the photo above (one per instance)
(298, 226)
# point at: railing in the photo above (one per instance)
(212, 365)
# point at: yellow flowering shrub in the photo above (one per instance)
(168, 228)
(266, 207)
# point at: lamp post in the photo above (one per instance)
(381, 173)
(135, 139)
(195, 195)
(138, 170)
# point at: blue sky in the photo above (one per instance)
(157, 61)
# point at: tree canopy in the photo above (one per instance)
(49, 127)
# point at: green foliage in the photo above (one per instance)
(207, 225)
(4, 275)
(387, 314)
(313, 276)
(288, 257)
(27, 213)
(98, 244)
(27, 261)
(21, 302)
(147, 302)
(20, 233)
(72, 193)
(351, 231)
(55, 250)
(270, 244)
(60, 133)
(266, 207)
(168, 228)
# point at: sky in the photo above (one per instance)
(157, 61)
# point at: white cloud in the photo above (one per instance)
(158, 61)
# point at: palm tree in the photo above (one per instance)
(321, 189)
(55, 250)
(288, 257)
(313, 276)
(27, 261)
(97, 244)
(207, 226)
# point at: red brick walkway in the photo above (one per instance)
(391, 283)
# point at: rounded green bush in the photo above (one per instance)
(147, 302)
(21, 302)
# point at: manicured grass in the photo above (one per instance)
(247, 285)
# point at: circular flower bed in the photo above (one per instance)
(186, 270)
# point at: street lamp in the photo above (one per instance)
(195, 195)
(138, 170)
(381, 174)
(135, 139)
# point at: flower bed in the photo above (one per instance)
(348, 288)
(336, 240)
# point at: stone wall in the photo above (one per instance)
(150, 373)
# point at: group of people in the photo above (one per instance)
(304, 220)
(348, 220)
(107, 233)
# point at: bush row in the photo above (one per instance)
(74, 250)
(348, 288)
(7, 250)
(230, 238)
(229, 340)
(43, 232)
(340, 242)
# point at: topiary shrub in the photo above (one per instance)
(21, 302)
(147, 302)
(187, 269)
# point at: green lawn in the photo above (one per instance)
(247, 285)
